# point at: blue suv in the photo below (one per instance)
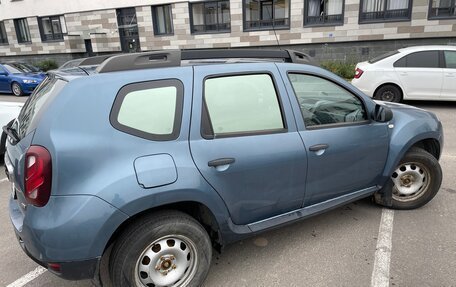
(19, 78)
(161, 157)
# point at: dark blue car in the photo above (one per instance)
(19, 78)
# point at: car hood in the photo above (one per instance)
(407, 109)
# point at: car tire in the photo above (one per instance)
(16, 89)
(416, 180)
(389, 93)
(167, 248)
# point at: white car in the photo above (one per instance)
(414, 73)
(8, 112)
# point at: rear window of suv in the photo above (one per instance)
(30, 113)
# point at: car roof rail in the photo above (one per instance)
(94, 61)
(173, 58)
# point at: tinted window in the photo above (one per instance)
(450, 59)
(242, 104)
(323, 102)
(425, 59)
(150, 110)
(43, 94)
(383, 56)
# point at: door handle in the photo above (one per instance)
(449, 75)
(221, 161)
(403, 73)
(318, 147)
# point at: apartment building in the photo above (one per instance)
(324, 28)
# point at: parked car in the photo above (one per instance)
(414, 73)
(189, 150)
(71, 63)
(19, 78)
(8, 112)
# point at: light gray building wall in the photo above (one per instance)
(90, 28)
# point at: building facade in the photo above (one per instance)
(327, 29)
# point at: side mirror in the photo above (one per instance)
(382, 114)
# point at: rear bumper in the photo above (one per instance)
(72, 270)
(71, 231)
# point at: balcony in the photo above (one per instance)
(384, 16)
(268, 24)
(324, 20)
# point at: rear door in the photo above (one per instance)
(244, 140)
(346, 151)
(449, 76)
(420, 74)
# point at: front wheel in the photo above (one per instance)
(416, 180)
(168, 248)
(16, 89)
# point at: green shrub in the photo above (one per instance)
(47, 65)
(344, 70)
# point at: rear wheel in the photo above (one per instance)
(16, 89)
(389, 93)
(168, 248)
(416, 180)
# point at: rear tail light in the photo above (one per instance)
(38, 176)
(358, 73)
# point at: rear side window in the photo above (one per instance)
(151, 110)
(425, 59)
(43, 94)
(242, 105)
(450, 59)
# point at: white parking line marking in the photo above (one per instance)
(28, 277)
(380, 274)
(3, 179)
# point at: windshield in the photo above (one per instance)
(383, 56)
(19, 68)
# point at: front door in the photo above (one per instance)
(4, 81)
(346, 151)
(128, 30)
(244, 140)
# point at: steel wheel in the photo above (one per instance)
(387, 96)
(16, 89)
(389, 93)
(169, 261)
(411, 180)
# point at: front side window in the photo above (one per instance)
(319, 12)
(163, 23)
(450, 59)
(385, 10)
(324, 103)
(151, 110)
(22, 31)
(213, 16)
(3, 37)
(442, 9)
(266, 14)
(242, 105)
(52, 28)
(425, 59)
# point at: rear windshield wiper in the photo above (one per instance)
(11, 132)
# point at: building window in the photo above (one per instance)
(385, 10)
(266, 14)
(163, 23)
(213, 16)
(52, 28)
(324, 12)
(22, 30)
(439, 9)
(3, 37)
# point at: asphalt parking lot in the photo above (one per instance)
(337, 248)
